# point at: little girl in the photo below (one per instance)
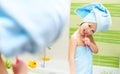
(96, 18)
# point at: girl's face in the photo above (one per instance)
(88, 28)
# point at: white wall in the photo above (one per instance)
(59, 50)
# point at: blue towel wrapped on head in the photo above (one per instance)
(96, 13)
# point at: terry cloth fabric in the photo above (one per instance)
(83, 60)
(96, 13)
(26, 25)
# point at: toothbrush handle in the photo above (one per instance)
(86, 46)
(17, 60)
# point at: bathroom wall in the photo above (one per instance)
(59, 50)
(101, 1)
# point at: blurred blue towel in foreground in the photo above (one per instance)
(26, 25)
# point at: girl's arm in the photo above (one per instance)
(72, 46)
(3, 69)
(93, 45)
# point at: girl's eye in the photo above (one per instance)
(93, 31)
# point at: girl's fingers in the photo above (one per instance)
(87, 41)
(17, 60)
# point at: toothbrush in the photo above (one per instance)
(86, 44)
(17, 60)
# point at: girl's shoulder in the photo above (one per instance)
(75, 38)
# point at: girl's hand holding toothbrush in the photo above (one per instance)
(86, 42)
